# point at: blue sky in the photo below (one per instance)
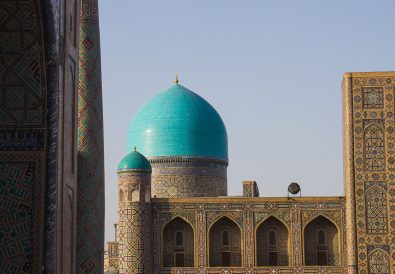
(272, 69)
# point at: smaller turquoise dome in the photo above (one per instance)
(134, 160)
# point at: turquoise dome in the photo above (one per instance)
(178, 122)
(134, 160)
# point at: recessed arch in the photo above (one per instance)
(224, 216)
(224, 252)
(177, 217)
(178, 252)
(272, 242)
(374, 150)
(321, 242)
(379, 261)
(121, 195)
(131, 191)
(271, 216)
(376, 208)
(179, 236)
(325, 217)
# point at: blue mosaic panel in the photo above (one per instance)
(16, 216)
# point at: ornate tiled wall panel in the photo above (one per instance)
(370, 170)
(23, 103)
(90, 212)
(37, 113)
(22, 211)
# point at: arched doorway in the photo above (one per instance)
(272, 243)
(225, 243)
(178, 244)
(321, 242)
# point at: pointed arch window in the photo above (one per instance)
(179, 255)
(130, 195)
(225, 238)
(321, 247)
(321, 237)
(225, 248)
(272, 238)
(121, 195)
(272, 247)
(179, 238)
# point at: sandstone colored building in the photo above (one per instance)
(175, 217)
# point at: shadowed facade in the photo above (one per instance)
(90, 212)
(39, 73)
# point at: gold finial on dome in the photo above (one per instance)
(177, 80)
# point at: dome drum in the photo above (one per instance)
(183, 185)
(189, 168)
(193, 178)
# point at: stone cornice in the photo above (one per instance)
(187, 159)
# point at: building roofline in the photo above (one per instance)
(230, 199)
(367, 74)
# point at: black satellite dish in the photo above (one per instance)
(294, 188)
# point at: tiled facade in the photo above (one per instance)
(39, 73)
(251, 234)
(369, 141)
(246, 219)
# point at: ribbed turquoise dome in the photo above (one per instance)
(134, 160)
(178, 122)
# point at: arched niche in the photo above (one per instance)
(178, 244)
(374, 150)
(321, 242)
(379, 261)
(147, 194)
(272, 243)
(121, 195)
(225, 243)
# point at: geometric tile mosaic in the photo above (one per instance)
(16, 216)
(374, 145)
(23, 95)
(372, 97)
(376, 207)
(90, 158)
